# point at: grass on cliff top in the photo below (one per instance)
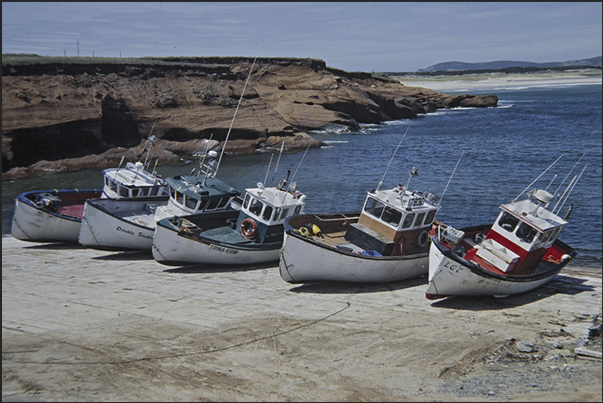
(20, 59)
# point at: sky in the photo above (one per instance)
(352, 36)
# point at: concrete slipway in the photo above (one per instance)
(86, 325)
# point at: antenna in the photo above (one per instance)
(151, 139)
(205, 152)
(279, 159)
(300, 161)
(449, 179)
(268, 170)
(295, 173)
(570, 190)
(233, 118)
(391, 159)
(538, 177)
(568, 174)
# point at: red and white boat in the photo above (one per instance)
(519, 252)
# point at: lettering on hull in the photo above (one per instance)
(130, 232)
(222, 249)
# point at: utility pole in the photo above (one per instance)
(78, 48)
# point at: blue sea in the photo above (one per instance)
(503, 149)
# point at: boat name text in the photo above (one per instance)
(130, 232)
(223, 250)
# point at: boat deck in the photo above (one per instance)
(140, 217)
(224, 235)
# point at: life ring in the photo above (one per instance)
(423, 238)
(248, 228)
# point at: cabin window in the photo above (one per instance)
(374, 207)
(123, 191)
(203, 204)
(267, 213)
(408, 220)
(526, 233)
(283, 214)
(190, 202)
(246, 202)
(223, 202)
(113, 186)
(173, 193)
(179, 198)
(419, 219)
(297, 210)
(213, 204)
(143, 192)
(391, 216)
(255, 206)
(134, 192)
(430, 216)
(508, 222)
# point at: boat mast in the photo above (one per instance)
(453, 171)
(390, 160)
(538, 177)
(570, 187)
(233, 119)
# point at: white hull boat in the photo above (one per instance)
(451, 275)
(50, 215)
(252, 235)
(387, 241)
(179, 245)
(56, 215)
(128, 224)
(120, 224)
(307, 260)
(517, 253)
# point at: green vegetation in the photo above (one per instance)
(22, 59)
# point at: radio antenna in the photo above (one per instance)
(391, 159)
(538, 177)
(233, 118)
(453, 171)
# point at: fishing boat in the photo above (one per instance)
(388, 240)
(129, 223)
(254, 234)
(519, 252)
(56, 215)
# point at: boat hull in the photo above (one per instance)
(303, 259)
(37, 224)
(450, 275)
(176, 248)
(120, 224)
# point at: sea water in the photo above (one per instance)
(494, 153)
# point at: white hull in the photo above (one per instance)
(449, 277)
(119, 223)
(305, 261)
(50, 215)
(32, 224)
(173, 249)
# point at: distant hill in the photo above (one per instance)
(505, 64)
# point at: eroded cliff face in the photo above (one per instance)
(64, 117)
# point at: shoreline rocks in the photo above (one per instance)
(73, 116)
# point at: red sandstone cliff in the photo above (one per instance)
(70, 116)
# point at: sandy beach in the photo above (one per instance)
(87, 325)
(498, 81)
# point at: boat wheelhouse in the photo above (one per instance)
(129, 223)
